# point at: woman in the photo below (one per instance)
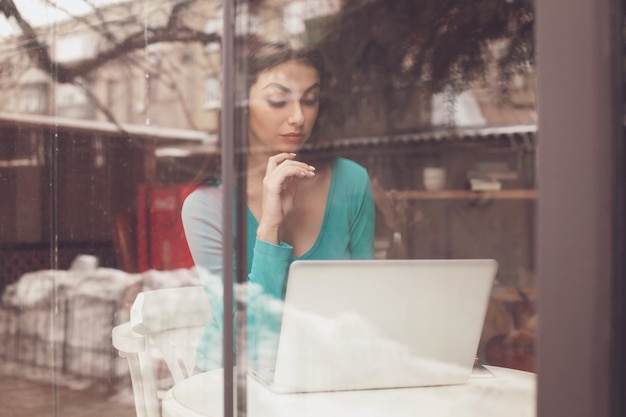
(295, 210)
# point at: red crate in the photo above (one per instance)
(161, 242)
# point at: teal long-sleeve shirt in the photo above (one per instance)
(347, 232)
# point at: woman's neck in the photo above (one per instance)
(256, 168)
(257, 165)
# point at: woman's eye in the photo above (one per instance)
(310, 101)
(276, 103)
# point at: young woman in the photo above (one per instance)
(295, 210)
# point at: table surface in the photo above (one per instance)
(509, 393)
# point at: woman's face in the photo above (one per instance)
(283, 106)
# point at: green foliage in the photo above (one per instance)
(434, 45)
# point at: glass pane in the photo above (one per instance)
(412, 126)
(109, 118)
(385, 133)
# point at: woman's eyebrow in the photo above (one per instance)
(279, 86)
(314, 86)
(287, 90)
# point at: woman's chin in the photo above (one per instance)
(290, 147)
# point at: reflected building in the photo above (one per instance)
(129, 78)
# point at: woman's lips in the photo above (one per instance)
(293, 137)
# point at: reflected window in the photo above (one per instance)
(153, 86)
(73, 101)
(75, 46)
(212, 92)
(34, 98)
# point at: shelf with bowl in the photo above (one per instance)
(519, 194)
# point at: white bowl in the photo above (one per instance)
(434, 178)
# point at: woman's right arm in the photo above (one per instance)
(202, 221)
(282, 175)
(271, 256)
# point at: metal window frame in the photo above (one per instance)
(227, 120)
(579, 207)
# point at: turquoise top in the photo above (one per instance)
(347, 232)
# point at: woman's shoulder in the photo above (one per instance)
(202, 199)
(204, 193)
(350, 170)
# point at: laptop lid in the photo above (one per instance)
(371, 324)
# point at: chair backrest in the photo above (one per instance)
(172, 320)
(160, 342)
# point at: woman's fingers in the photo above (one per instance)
(280, 185)
(277, 179)
(278, 159)
(292, 168)
(290, 188)
(284, 160)
(279, 172)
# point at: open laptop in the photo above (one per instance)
(351, 325)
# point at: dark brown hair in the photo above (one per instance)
(271, 55)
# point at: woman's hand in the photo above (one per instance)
(282, 176)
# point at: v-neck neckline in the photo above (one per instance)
(331, 189)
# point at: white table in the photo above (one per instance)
(510, 393)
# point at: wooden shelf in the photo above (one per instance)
(513, 295)
(466, 194)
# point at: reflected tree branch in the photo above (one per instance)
(99, 104)
(39, 52)
(426, 45)
(116, 47)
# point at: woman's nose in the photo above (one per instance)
(296, 118)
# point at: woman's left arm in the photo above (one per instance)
(362, 220)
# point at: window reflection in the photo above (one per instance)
(440, 154)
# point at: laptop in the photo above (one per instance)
(373, 324)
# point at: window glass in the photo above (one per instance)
(360, 130)
(103, 133)
(442, 121)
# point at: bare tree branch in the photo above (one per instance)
(134, 42)
(39, 52)
(96, 101)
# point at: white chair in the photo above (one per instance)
(162, 335)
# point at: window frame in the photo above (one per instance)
(580, 203)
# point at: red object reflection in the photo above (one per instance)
(161, 239)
